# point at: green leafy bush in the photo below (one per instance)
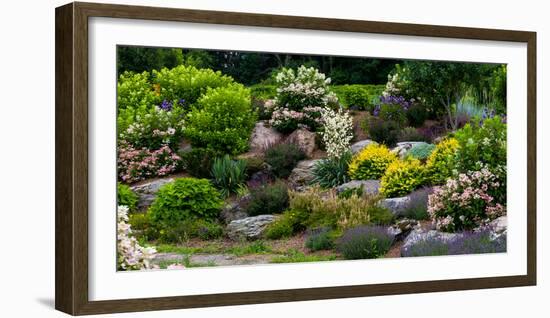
(394, 113)
(263, 91)
(410, 134)
(228, 175)
(282, 158)
(381, 131)
(481, 145)
(371, 162)
(198, 161)
(380, 215)
(416, 115)
(329, 173)
(134, 90)
(142, 226)
(319, 239)
(253, 165)
(188, 83)
(268, 199)
(289, 223)
(441, 162)
(127, 197)
(355, 96)
(209, 126)
(184, 230)
(421, 151)
(311, 208)
(183, 199)
(365, 242)
(402, 177)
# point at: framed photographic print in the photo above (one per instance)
(211, 158)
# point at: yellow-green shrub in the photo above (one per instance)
(441, 162)
(402, 177)
(371, 162)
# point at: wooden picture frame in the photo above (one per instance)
(71, 124)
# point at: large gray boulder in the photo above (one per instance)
(262, 137)
(250, 228)
(147, 192)
(235, 210)
(369, 186)
(303, 139)
(302, 174)
(396, 205)
(360, 145)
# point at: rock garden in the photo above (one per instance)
(295, 168)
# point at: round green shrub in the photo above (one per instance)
(280, 228)
(187, 83)
(282, 158)
(268, 199)
(421, 151)
(381, 131)
(127, 197)
(222, 120)
(135, 90)
(198, 161)
(441, 162)
(185, 198)
(416, 115)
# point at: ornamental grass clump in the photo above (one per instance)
(371, 162)
(467, 202)
(332, 172)
(402, 177)
(228, 175)
(131, 255)
(365, 242)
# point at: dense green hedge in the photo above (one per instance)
(360, 96)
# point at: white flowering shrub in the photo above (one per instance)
(337, 131)
(301, 97)
(131, 255)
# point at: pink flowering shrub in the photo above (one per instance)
(131, 255)
(286, 120)
(301, 97)
(467, 202)
(136, 164)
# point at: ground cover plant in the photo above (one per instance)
(236, 158)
